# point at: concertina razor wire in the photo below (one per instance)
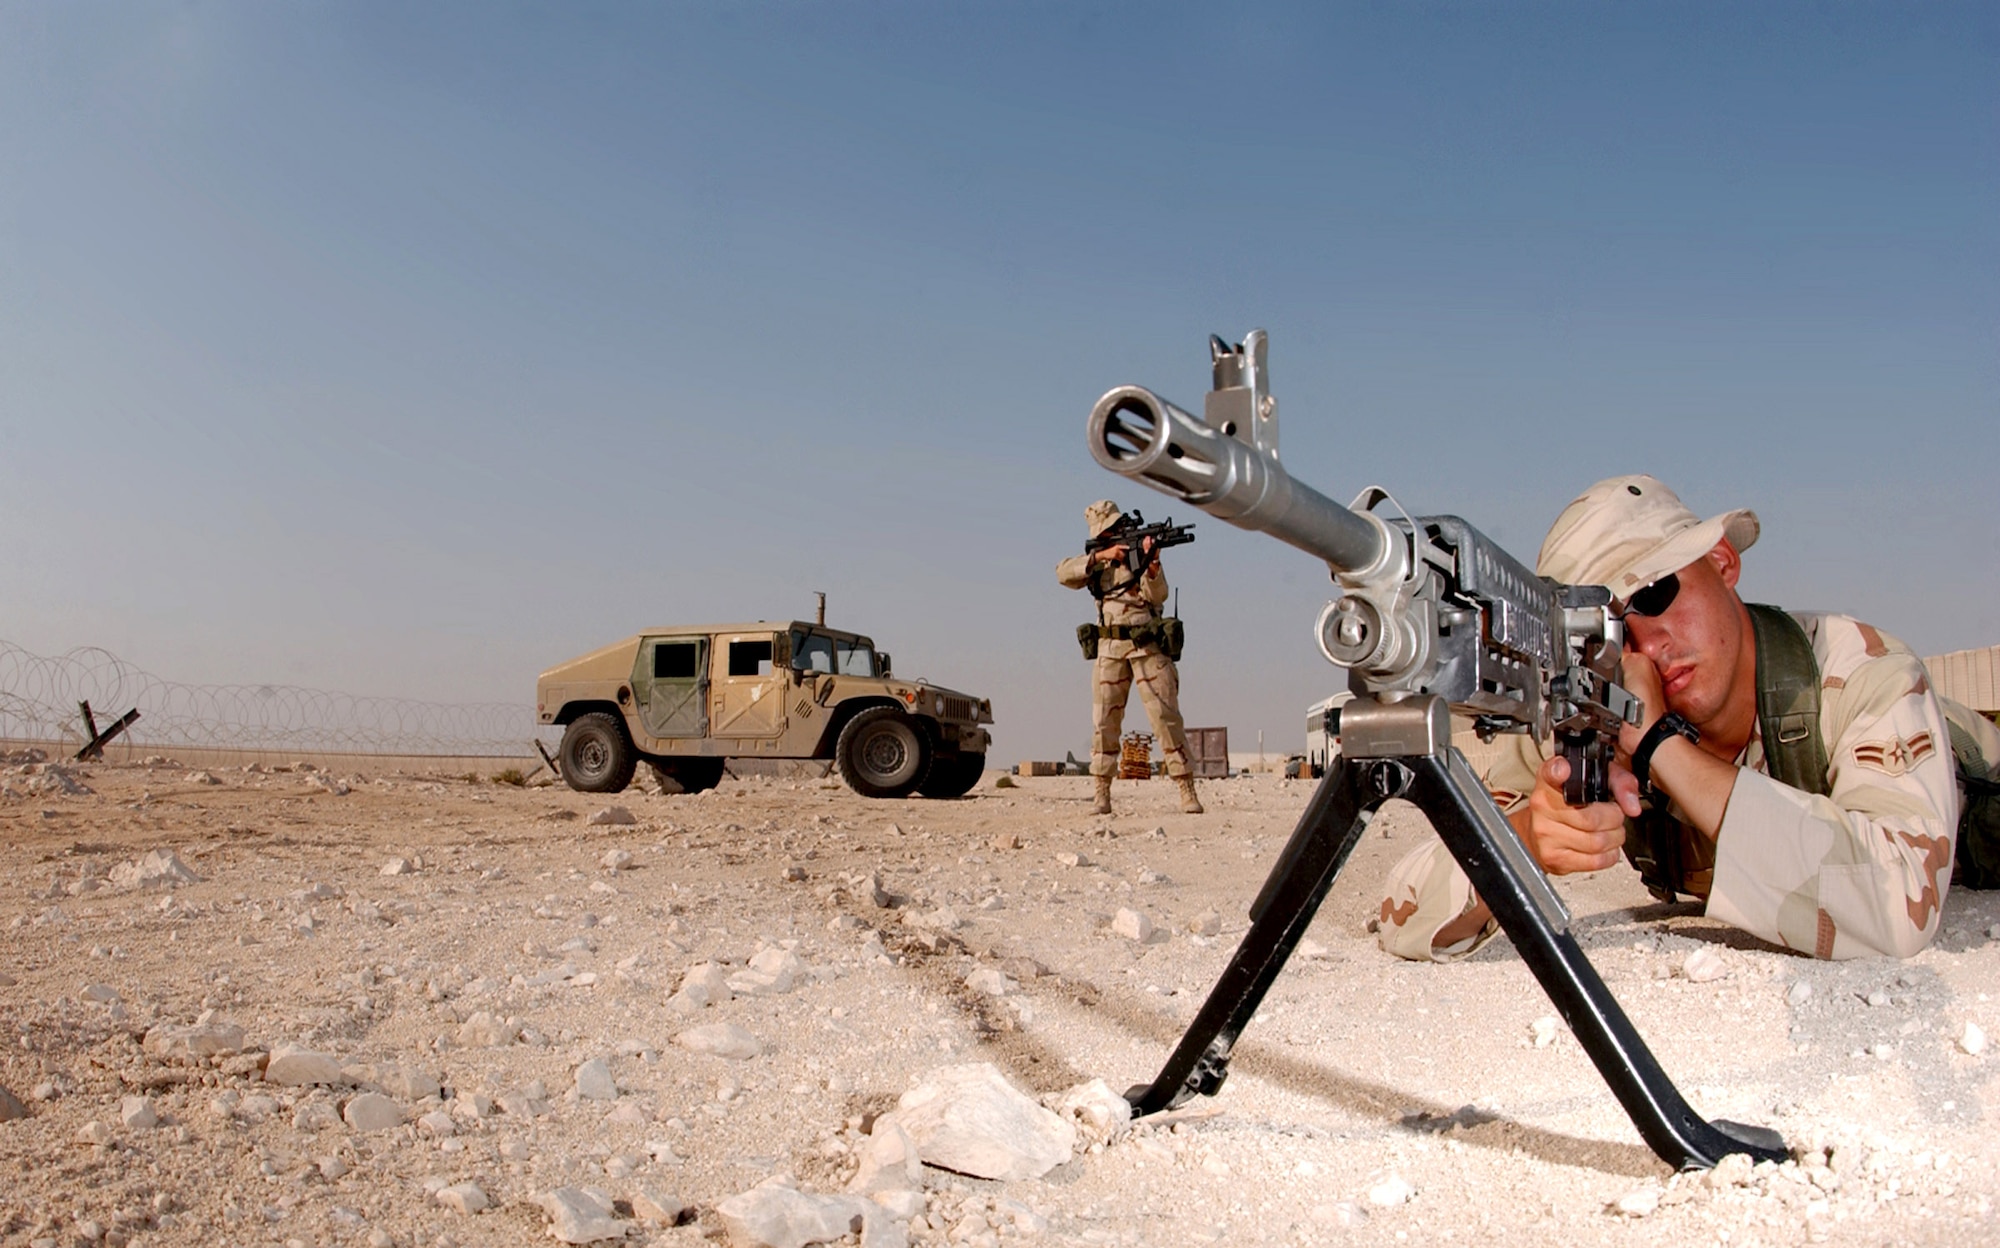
(39, 696)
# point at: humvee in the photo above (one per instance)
(685, 700)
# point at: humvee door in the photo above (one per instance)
(670, 684)
(748, 691)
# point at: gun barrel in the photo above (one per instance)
(1138, 434)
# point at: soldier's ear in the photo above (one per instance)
(1727, 563)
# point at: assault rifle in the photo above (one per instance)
(1131, 531)
(1433, 617)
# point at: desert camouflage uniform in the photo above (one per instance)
(1120, 664)
(1863, 870)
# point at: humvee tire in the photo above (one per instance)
(883, 753)
(953, 775)
(687, 775)
(596, 755)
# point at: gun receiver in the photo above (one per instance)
(1433, 617)
(1132, 532)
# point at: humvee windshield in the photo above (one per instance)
(816, 652)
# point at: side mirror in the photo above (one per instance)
(883, 659)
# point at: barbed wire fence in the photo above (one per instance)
(39, 697)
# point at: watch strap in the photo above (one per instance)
(1668, 725)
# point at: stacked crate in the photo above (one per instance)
(1135, 756)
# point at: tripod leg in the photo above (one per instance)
(1319, 846)
(1445, 789)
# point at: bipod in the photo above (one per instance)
(1403, 749)
(95, 745)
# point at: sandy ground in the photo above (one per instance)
(1372, 1100)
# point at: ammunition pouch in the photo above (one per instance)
(1086, 637)
(1169, 636)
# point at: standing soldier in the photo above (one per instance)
(1129, 642)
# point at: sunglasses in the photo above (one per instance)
(1654, 599)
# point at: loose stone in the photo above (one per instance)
(970, 1119)
(721, 1040)
(371, 1111)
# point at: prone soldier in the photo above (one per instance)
(1130, 644)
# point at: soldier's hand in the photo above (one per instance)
(1109, 555)
(1566, 838)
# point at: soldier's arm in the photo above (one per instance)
(1864, 869)
(1074, 572)
(1429, 910)
(1154, 584)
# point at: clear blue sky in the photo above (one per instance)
(409, 349)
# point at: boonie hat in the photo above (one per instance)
(1627, 532)
(1101, 515)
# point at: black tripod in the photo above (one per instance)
(1403, 749)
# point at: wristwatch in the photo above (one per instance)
(1667, 725)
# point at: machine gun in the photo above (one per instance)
(1131, 531)
(1433, 618)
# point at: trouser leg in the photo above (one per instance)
(1111, 685)
(1159, 687)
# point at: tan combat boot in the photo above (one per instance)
(1190, 804)
(1103, 806)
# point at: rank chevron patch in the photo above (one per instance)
(1896, 756)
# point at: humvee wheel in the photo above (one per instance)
(883, 753)
(953, 775)
(596, 756)
(688, 775)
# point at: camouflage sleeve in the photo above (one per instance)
(1074, 572)
(1154, 586)
(1427, 889)
(1864, 869)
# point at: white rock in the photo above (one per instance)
(989, 982)
(1704, 965)
(403, 1083)
(1799, 993)
(138, 1114)
(463, 1198)
(704, 985)
(1070, 858)
(594, 1081)
(1544, 1030)
(721, 1040)
(1972, 1039)
(295, 1066)
(1207, 923)
(1099, 1113)
(610, 816)
(1638, 1202)
(616, 860)
(438, 1125)
(161, 868)
(103, 994)
(774, 1214)
(371, 1111)
(193, 1043)
(772, 971)
(93, 1132)
(1136, 925)
(657, 1205)
(1390, 1192)
(971, 1120)
(578, 1216)
(485, 1031)
(199, 777)
(889, 1161)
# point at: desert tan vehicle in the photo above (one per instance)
(685, 700)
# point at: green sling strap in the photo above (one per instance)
(1788, 701)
